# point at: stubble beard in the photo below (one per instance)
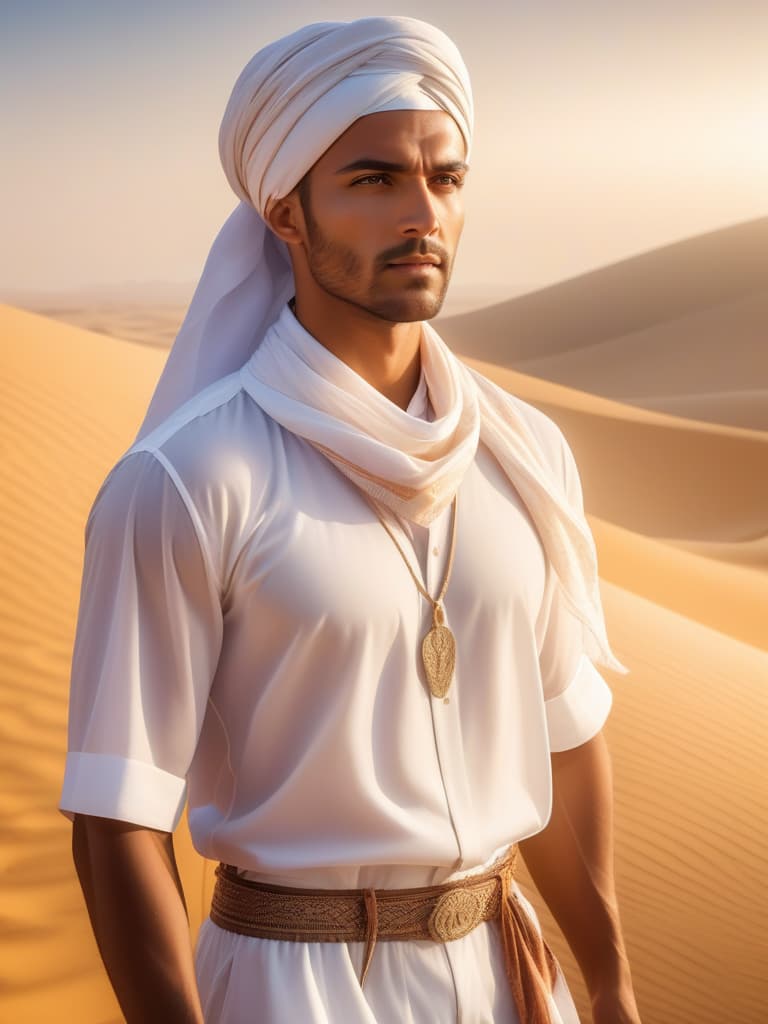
(339, 271)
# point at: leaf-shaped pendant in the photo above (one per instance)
(438, 652)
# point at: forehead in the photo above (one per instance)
(397, 136)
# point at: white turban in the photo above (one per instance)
(292, 100)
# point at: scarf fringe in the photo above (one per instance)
(530, 964)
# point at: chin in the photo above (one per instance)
(408, 308)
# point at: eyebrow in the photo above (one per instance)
(372, 163)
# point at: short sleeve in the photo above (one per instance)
(577, 699)
(147, 643)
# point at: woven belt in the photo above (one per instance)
(441, 913)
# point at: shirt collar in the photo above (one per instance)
(419, 404)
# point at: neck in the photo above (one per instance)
(384, 354)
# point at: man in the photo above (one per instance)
(343, 588)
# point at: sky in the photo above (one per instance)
(603, 130)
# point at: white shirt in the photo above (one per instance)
(249, 636)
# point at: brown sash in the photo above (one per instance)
(438, 912)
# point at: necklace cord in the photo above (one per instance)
(434, 601)
(438, 647)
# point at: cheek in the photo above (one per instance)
(352, 235)
(453, 214)
(454, 226)
(353, 216)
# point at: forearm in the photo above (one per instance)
(571, 863)
(135, 901)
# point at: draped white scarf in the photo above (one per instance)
(415, 466)
(292, 100)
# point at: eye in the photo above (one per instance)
(372, 179)
(448, 180)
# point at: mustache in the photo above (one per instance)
(422, 247)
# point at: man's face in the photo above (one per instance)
(383, 210)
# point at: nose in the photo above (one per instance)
(418, 217)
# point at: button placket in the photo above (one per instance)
(445, 716)
(436, 546)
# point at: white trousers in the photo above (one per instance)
(243, 980)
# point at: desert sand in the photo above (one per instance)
(680, 516)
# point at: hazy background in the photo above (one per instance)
(603, 129)
(617, 214)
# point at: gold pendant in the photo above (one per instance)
(438, 652)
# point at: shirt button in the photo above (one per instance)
(435, 551)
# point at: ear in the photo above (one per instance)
(286, 219)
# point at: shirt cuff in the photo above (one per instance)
(579, 712)
(116, 787)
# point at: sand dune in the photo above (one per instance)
(69, 404)
(729, 598)
(653, 473)
(634, 294)
(686, 732)
(747, 409)
(714, 349)
(753, 553)
(681, 329)
(147, 324)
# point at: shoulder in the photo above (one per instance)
(222, 416)
(218, 442)
(142, 529)
(136, 482)
(213, 457)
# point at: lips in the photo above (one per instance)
(414, 266)
(415, 261)
(414, 270)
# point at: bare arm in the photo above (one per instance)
(571, 862)
(136, 905)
